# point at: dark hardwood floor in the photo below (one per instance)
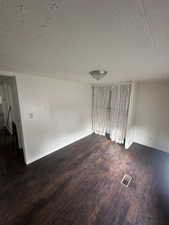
(80, 185)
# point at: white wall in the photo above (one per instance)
(151, 119)
(54, 114)
(131, 116)
(16, 117)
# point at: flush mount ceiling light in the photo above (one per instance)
(98, 74)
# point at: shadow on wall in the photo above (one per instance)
(150, 120)
(145, 134)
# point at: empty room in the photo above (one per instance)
(84, 112)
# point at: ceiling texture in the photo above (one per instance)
(68, 38)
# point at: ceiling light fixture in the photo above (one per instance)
(98, 74)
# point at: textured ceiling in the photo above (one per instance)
(68, 38)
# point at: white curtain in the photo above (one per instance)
(120, 97)
(101, 106)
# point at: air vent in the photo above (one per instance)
(126, 180)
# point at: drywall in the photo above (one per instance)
(131, 116)
(151, 122)
(16, 117)
(54, 113)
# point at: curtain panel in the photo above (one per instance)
(101, 105)
(120, 97)
(110, 111)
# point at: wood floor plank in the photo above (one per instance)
(80, 185)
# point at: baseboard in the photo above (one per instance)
(40, 156)
(150, 147)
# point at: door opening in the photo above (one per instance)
(11, 138)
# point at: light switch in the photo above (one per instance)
(31, 116)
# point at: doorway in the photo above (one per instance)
(11, 139)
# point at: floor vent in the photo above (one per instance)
(126, 180)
